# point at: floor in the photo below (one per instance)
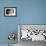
(30, 43)
(7, 45)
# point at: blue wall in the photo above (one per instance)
(28, 12)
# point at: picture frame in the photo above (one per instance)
(10, 11)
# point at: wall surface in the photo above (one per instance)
(28, 12)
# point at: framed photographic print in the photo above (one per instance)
(10, 11)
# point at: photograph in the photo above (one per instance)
(10, 11)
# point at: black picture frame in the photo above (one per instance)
(10, 8)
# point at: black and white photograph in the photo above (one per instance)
(10, 11)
